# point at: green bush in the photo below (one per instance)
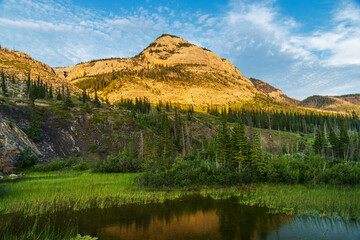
(56, 165)
(118, 164)
(26, 159)
(342, 173)
(81, 166)
(70, 162)
(189, 172)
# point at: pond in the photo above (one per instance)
(196, 217)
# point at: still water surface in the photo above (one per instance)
(196, 217)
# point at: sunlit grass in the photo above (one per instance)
(47, 193)
(41, 193)
(327, 201)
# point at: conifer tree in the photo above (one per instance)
(334, 141)
(51, 96)
(68, 102)
(84, 96)
(28, 85)
(58, 95)
(241, 147)
(344, 139)
(319, 142)
(257, 157)
(3, 84)
(224, 143)
(96, 99)
(33, 93)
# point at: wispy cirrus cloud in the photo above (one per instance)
(254, 35)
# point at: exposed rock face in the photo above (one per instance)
(12, 137)
(64, 132)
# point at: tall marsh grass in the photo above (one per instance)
(40, 193)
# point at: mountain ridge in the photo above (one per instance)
(19, 65)
(170, 69)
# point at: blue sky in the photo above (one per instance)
(302, 47)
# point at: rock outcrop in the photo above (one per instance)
(13, 138)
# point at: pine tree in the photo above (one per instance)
(68, 102)
(33, 93)
(257, 157)
(58, 95)
(224, 144)
(84, 96)
(33, 131)
(51, 92)
(241, 147)
(344, 139)
(334, 141)
(3, 84)
(319, 142)
(96, 100)
(63, 93)
(28, 85)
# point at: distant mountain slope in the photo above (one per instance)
(273, 92)
(346, 103)
(169, 69)
(352, 98)
(17, 65)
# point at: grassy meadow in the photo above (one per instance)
(39, 193)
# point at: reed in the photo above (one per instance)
(40, 193)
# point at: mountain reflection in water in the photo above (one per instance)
(193, 217)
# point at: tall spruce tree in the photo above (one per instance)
(84, 96)
(224, 151)
(58, 95)
(319, 142)
(96, 99)
(344, 139)
(3, 84)
(241, 146)
(28, 85)
(68, 102)
(257, 156)
(51, 96)
(334, 141)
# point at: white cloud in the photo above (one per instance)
(254, 35)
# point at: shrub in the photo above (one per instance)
(81, 166)
(118, 164)
(70, 162)
(26, 159)
(56, 165)
(342, 173)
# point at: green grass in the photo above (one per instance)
(24, 230)
(39, 193)
(324, 201)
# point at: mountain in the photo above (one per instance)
(351, 98)
(346, 103)
(170, 69)
(273, 92)
(16, 67)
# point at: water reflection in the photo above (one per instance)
(195, 217)
(191, 218)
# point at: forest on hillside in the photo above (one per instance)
(241, 150)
